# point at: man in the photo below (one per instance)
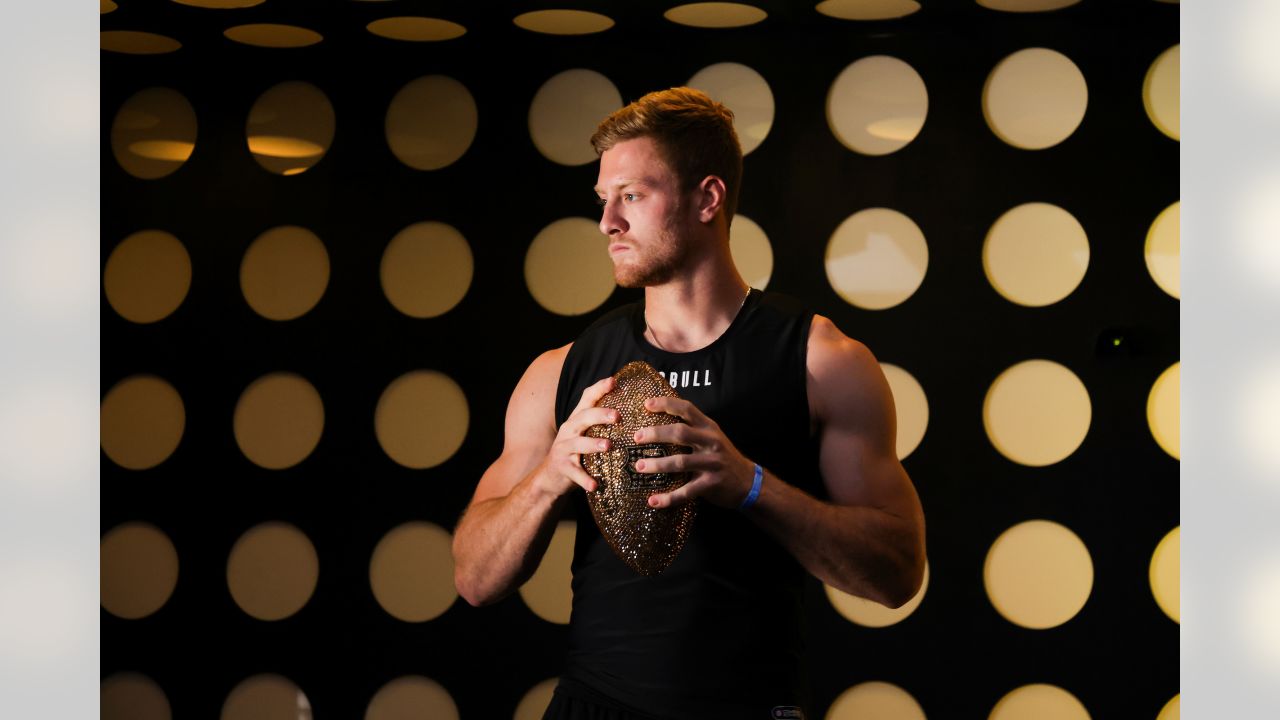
(778, 407)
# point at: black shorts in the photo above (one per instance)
(582, 704)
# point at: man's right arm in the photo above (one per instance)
(506, 529)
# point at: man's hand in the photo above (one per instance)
(721, 474)
(562, 468)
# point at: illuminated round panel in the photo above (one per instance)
(1161, 95)
(1035, 98)
(867, 9)
(534, 703)
(1026, 5)
(1037, 413)
(220, 4)
(869, 613)
(1164, 574)
(411, 696)
(272, 571)
(1035, 254)
(876, 259)
(290, 127)
(746, 93)
(1164, 414)
(416, 29)
(132, 42)
(877, 105)
(132, 696)
(139, 570)
(1038, 574)
(278, 420)
(154, 133)
(411, 572)
(106, 6)
(568, 269)
(147, 276)
(1257, 415)
(1039, 702)
(751, 250)
(142, 418)
(272, 35)
(1171, 709)
(564, 22)
(431, 122)
(1163, 250)
(284, 272)
(565, 112)
(426, 269)
(549, 593)
(266, 697)
(875, 700)
(911, 406)
(421, 419)
(715, 15)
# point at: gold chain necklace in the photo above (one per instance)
(654, 335)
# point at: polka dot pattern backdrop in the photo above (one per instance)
(333, 238)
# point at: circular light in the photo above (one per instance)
(1037, 413)
(1163, 250)
(869, 613)
(565, 112)
(416, 29)
(272, 35)
(139, 570)
(877, 105)
(265, 696)
(131, 696)
(278, 420)
(426, 269)
(220, 4)
(272, 571)
(1164, 415)
(1039, 701)
(1026, 6)
(746, 93)
(154, 133)
(147, 276)
(412, 696)
(1171, 709)
(911, 406)
(1038, 574)
(431, 122)
(567, 268)
(752, 253)
(1035, 98)
(411, 572)
(284, 272)
(876, 259)
(132, 42)
(1163, 574)
(535, 702)
(549, 592)
(875, 700)
(1035, 254)
(142, 418)
(563, 22)
(1161, 95)
(290, 127)
(715, 15)
(867, 9)
(106, 6)
(421, 419)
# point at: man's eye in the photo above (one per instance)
(629, 196)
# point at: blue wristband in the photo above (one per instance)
(755, 489)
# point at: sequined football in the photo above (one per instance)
(646, 539)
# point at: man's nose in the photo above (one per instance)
(611, 221)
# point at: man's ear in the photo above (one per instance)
(710, 197)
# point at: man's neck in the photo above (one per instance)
(690, 312)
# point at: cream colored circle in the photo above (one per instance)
(153, 133)
(1164, 410)
(273, 35)
(147, 276)
(877, 105)
(411, 572)
(1035, 98)
(1026, 5)
(421, 419)
(132, 42)
(1039, 702)
(867, 9)
(284, 272)
(142, 419)
(869, 700)
(1038, 574)
(868, 613)
(746, 93)
(563, 22)
(877, 258)
(1037, 412)
(549, 593)
(278, 420)
(1164, 575)
(567, 267)
(132, 696)
(1163, 250)
(752, 252)
(1161, 95)
(1256, 416)
(1035, 254)
(416, 29)
(139, 570)
(911, 407)
(290, 127)
(534, 703)
(106, 6)
(715, 15)
(266, 697)
(1171, 709)
(410, 697)
(220, 4)
(1255, 225)
(565, 112)
(431, 122)
(1255, 597)
(272, 570)
(426, 269)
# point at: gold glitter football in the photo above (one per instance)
(647, 539)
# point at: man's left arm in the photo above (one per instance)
(869, 540)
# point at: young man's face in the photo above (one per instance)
(643, 213)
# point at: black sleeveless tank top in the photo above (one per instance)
(719, 633)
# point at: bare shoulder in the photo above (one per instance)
(841, 371)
